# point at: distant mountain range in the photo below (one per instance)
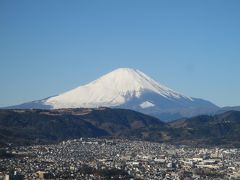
(25, 127)
(129, 89)
(228, 108)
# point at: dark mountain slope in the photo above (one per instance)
(46, 126)
(218, 129)
(40, 126)
(30, 126)
(128, 123)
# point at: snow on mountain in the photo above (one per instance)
(146, 104)
(131, 89)
(112, 89)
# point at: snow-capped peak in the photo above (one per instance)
(112, 89)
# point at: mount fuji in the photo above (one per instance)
(129, 89)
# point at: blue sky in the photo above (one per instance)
(48, 47)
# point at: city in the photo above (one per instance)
(111, 158)
(131, 90)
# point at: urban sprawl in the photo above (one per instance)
(93, 158)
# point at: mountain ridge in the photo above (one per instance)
(25, 127)
(36, 126)
(130, 89)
